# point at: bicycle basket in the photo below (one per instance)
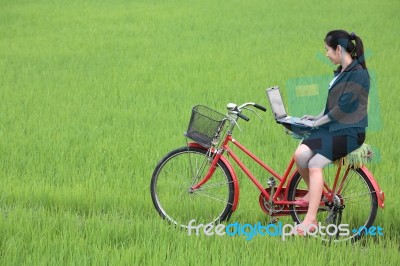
(204, 124)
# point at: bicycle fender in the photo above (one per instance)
(231, 171)
(379, 193)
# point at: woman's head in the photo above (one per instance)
(350, 43)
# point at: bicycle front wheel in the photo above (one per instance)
(354, 205)
(173, 197)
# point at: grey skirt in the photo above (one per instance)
(335, 144)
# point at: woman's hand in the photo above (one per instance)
(309, 117)
(321, 121)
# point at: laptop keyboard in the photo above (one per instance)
(298, 120)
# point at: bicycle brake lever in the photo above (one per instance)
(253, 112)
(237, 124)
(234, 120)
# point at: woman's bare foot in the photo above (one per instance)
(303, 202)
(307, 227)
(306, 197)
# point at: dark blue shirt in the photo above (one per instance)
(347, 102)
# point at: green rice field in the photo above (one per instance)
(94, 93)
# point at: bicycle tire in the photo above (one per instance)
(170, 187)
(360, 206)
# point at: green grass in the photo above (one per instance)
(94, 94)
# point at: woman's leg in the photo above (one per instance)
(316, 185)
(302, 156)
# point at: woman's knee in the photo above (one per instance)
(317, 162)
(302, 155)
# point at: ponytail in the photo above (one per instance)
(359, 50)
(344, 39)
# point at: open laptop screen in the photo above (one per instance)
(275, 99)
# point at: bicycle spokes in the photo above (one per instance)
(352, 203)
(176, 200)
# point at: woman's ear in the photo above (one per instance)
(339, 48)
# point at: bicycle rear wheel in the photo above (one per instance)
(355, 204)
(173, 197)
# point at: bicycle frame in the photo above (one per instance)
(283, 179)
(219, 156)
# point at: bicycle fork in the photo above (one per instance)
(210, 172)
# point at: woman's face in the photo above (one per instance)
(333, 54)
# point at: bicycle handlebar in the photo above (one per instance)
(237, 110)
(242, 116)
(249, 104)
(262, 108)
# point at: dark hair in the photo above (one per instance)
(345, 40)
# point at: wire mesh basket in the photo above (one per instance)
(204, 125)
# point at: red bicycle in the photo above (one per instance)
(198, 182)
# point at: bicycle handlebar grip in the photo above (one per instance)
(243, 116)
(260, 107)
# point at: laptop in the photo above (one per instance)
(279, 111)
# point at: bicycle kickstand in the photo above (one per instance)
(336, 217)
(271, 185)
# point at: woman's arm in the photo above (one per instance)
(322, 121)
(348, 101)
(311, 117)
(319, 120)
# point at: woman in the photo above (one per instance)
(340, 127)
